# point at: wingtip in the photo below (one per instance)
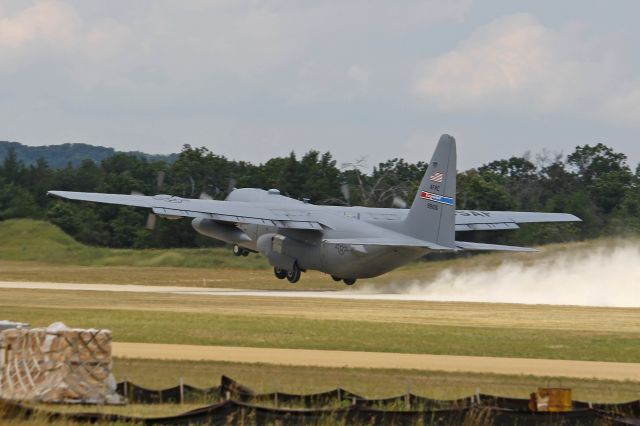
(56, 194)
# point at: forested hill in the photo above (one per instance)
(59, 156)
(593, 182)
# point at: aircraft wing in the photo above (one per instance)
(473, 220)
(222, 211)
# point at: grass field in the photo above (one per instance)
(31, 240)
(378, 383)
(36, 251)
(556, 333)
(370, 383)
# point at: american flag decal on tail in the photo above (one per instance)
(442, 199)
(437, 177)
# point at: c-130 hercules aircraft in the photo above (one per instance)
(346, 242)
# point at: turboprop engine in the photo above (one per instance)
(225, 232)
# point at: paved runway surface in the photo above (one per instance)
(353, 359)
(218, 292)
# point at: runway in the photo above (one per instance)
(346, 294)
(353, 359)
(424, 292)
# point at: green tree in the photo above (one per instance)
(16, 201)
(604, 173)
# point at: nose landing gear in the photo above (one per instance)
(239, 251)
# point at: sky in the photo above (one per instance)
(370, 80)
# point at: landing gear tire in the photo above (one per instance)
(239, 251)
(293, 276)
(349, 281)
(280, 274)
(336, 279)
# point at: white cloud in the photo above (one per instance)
(50, 22)
(330, 75)
(53, 32)
(624, 107)
(516, 62)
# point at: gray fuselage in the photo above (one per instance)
(309, 248)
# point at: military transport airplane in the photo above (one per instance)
(344, 242)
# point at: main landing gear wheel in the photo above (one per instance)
(349, 281)
(294, 274)
(336, 279)
(239, 251)
(281, 274)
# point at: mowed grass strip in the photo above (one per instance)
(276, 332)
(539, 317)
(378, 383)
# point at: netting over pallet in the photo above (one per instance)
(58, 364)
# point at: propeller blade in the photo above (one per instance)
(151, 221)
(346, 193)
(160, 180)
(232, 185)
(399, 202)
(136, 192)
(205, 196)
(193, 186)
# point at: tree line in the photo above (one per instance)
(593, 182)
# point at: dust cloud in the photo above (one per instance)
(599, 277)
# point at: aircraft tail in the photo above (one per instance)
(432, 214)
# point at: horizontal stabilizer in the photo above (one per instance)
(473, 220)
(464, 245)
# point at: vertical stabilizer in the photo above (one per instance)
(432, 214)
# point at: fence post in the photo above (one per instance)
(407, 398)
(181, 390)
